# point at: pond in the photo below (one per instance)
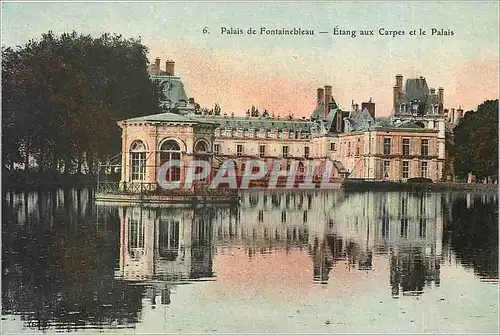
(280, 262)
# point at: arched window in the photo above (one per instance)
(201, 146)
(138, 160)
(169, 151)
(201, 153)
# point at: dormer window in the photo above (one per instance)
(414, 106)
(434, 109)
(402, 108)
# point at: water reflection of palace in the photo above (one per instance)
(162, 246)
(165, 243)
(178, 244)
(59, 253)
(339, 227)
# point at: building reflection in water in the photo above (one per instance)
(59, 254)
(352, 228)
(164, 246)
(167, 245)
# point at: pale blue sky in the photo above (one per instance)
(357, 68)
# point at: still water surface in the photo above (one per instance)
(281, 262)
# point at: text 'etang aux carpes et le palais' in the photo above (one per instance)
(336, 31)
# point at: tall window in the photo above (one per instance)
(423, 169)
(262, 150)
(348, 148)
(405, 169)
(332, 147)
(216, 148)
(386, 167)
(170, 151)
(285, 151)
(406, 146)
(424, 147)
(239, 149)
(387, 146)
(201, 153)
(138, 160)
(306, 152)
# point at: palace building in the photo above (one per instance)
(407, 144)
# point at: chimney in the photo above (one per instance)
(321, 95)
(460, 113)
(169, 67)
(397, 92)
(157, 65)
(399, 80)
(328, 99)
(441, 99)
(432, 91)
(370, 106)
(395, 98)
(452, 116)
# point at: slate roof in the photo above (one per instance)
(407, 125)
(417, 90)
(169, 118)
(318, 112)
(235, 122)
(174, 92)
(362, 120)
(359, 120)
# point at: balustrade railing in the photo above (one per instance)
(154, 189)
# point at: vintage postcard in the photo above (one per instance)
(250, 167)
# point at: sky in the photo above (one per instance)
(282, 73)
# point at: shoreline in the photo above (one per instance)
(439, 186)
(19, 182)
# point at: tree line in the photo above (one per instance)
(475, 142)
(62, 96)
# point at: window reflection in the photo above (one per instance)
(168, 246)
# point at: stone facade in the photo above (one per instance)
(148, 141)
(408, 144)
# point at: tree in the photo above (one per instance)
(476, 141)
(62, 96)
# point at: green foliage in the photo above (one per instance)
(62, 96)
(476, 141)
